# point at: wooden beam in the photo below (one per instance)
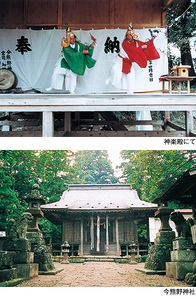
(105, 104)
(109, 116)
(134, 133)
(179, 134)
(96, 102)
(120, 122)
(175, 126)
(168, 2)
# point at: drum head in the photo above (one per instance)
(8, 79)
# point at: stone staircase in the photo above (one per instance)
(97, 258)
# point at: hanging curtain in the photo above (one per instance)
(98, 233)
(32, 55)
(92, 233)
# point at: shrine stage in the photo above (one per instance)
(47, 105)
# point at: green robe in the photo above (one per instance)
(77, 61)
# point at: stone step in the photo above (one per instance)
(100, 259)
(88, 258)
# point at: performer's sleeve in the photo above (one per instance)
(135, 54)
(90, 62)
(151, 52)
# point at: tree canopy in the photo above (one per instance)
(21, 169)
(52, 170)
(152, 172)
(149, 172)
(180, 29)
(94, 167)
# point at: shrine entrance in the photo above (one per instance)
(98, 218)
(99, 244)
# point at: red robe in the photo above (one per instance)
(138, 54)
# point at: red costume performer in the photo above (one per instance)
(138, 54)
(122, 75)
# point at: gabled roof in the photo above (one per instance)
(184, 189)
(109, 197)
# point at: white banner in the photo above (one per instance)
(32, 56)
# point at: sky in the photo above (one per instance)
(114, 156)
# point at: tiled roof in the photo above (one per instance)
(99, 197)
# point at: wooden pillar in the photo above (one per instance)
(81, 238)
(47, 124)
(167, 118)
(67, 122)
(135, 222)
(117, 239)
(188, 122)
(112, 14)
(60, 14)
(107, 233)
(63, 234)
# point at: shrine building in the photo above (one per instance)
(99, 219)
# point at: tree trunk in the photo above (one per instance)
(186, 58)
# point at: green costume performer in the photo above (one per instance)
(75, 60)
(76, 57)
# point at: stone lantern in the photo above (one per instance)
(133, 251)
(35, 200)
(42, 253)
(65, 250)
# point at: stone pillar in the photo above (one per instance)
(193, 228)
(184, 249)
(182, 259)
(16, 242)
(159, 253)
(163, 213)
(7, 272)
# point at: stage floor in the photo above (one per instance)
(97, 102)
(49, 104)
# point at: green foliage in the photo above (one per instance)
(153, 172)
(94, 167)
(49, 230)
(21, 169)
(142, 233)
(9, 203)
(180, 29)
(52, 170)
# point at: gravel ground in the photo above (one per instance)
(101, 274)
